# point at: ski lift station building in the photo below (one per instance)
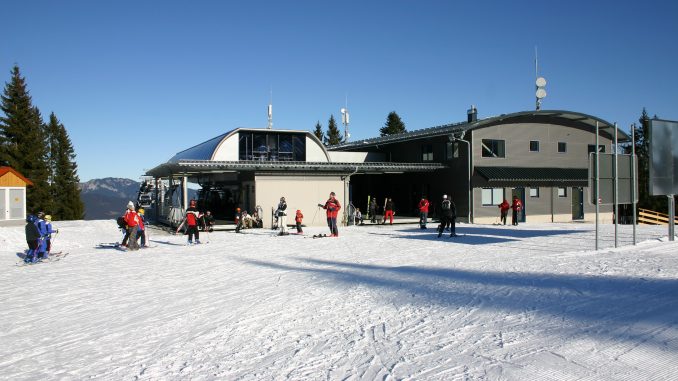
(541, 157)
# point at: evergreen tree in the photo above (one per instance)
(333, 134)
(64, 177)
(394, 125)
(318, 132)
(23, 145)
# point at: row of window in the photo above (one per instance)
(493, 148)
(497, 148)
(495, 196)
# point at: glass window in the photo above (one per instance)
(492, 196)
(452, 151)
(534, 146)
(562, 192)
(534, 192)
(427, 152)
(562, 147)
(592, 148)
(493, 148)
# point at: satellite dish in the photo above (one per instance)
(343, 110)
(541, 82)
(541, 93)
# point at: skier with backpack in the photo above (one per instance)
(448, 215)
(33, 239)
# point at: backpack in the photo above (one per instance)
(121, 222)
(446, 205)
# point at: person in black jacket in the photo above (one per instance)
(448, 215)
(282, 216)
(32, 239)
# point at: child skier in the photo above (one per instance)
(32, 239)
(297, 218)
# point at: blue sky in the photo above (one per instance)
(135, 82)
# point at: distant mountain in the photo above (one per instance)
(107, 198)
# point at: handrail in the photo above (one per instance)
(647, 216)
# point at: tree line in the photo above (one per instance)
(40, 151)
(394, 125)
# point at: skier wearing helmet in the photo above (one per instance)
(192, 217)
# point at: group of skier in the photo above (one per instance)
(38, 237)
(516, 206)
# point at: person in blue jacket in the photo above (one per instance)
(42, 228)
(32, 239)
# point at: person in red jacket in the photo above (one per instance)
(423, 212)
(192, 218)
(517, 206)
(503, 209)
(332, 206)
(132, 221)
(297, 218)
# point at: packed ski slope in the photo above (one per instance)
(532, 302)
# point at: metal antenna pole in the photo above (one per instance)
(616, 187)
(597, 178)
(634, 179)
(536, 75)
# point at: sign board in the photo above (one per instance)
(663, 157)
(606, 178)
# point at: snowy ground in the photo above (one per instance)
(500, 303)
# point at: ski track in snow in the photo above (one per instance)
(380, 302)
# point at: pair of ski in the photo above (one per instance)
(51, 258)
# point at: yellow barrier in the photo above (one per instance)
(646, 216)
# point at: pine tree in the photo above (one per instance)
(64, 177)
(333, 134)
(394, 125)
(23, 141)
(318, 132)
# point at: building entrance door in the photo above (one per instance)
(520, 193)
(577, 203)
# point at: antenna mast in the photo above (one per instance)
(270, 111)
(345, 120)
(540, 82)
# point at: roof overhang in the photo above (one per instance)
(519, 176)
(202, 167)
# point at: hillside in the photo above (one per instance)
(107, 198)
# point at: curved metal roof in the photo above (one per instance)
(558, 117)
(207, 150)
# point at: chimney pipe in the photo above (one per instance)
(472, 114)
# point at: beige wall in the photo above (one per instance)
(300, 192)
(228, 149)
(314, 152)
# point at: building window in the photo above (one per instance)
(452, 151)
(562, 147)
(427, 152)
(534, 146)
(592, 148)
(562, 192)
(493, 148)
(492, 196)
(534, 192)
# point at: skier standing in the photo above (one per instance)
(423, 212)
(297, 219)
(192, 217)
(132, 221)
(447, 216)
(388, 211)
(282, 216)
(42, 228)
(503, 209)
(332, 206)
(517, 206)
(49, 231)
(141, 230)
(209, 221)
(32, 239)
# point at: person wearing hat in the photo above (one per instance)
(42, 228)
(282, 216)
(447, 216)
(423, 212)
(332, 206)
(192, 217)
(141, 229)
(297, 220)
(50, 231)
(132, 221)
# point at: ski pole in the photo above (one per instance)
(52, 241)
